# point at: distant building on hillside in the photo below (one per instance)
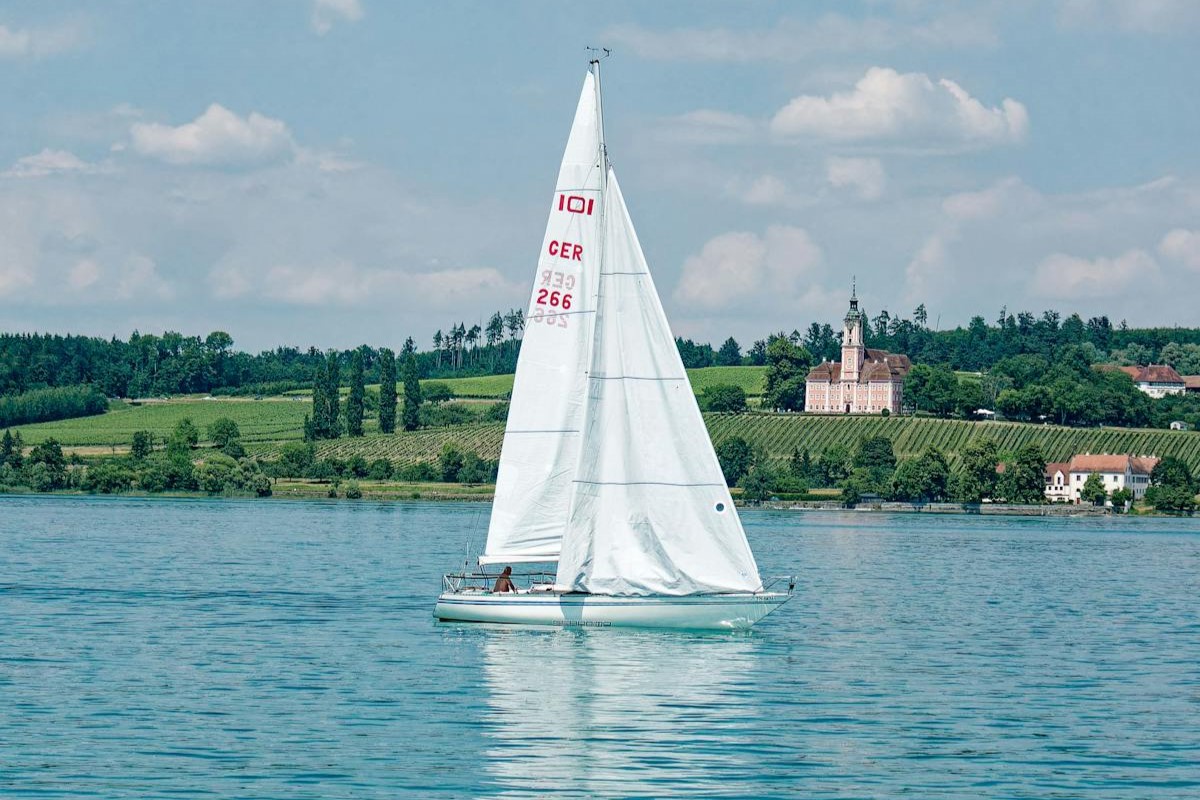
(1115, 471)
(865, 382)
(1156, 380)
(1191, 383)
(1058, 483)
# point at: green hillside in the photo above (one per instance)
(267, 424)
(259, 421)
(778, 434)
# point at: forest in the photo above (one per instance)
(1030, 367)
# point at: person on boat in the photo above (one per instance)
(504, 582)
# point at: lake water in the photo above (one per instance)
(197, 648)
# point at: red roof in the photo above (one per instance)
(878, 365)
(1144, 465)
(825, 371)
(1141, 465)
(1056, 466)
(1154, 373)
(1191, 383)
(1099, 463)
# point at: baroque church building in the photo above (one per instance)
(865, 382)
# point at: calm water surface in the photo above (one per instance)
(191, 648)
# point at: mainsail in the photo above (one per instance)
(650, 513)
(607, 465)
(545, 418)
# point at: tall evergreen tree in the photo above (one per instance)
(354, 401)
(333, 400)
(12, 449)
(387, 390)
(316, 425)
(412, 395)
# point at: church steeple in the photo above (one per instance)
(853, 349)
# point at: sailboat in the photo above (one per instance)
(606, 468)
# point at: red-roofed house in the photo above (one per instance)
(1156, 380)
(1116, 472)
(1191, 383)
(866, 382)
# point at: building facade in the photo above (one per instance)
(867, 380)
(1115, 471)
(1156, 380)
(1058, 482)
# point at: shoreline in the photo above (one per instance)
(483, 493)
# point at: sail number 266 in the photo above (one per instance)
(546, 297)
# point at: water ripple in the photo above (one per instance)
(155, 648)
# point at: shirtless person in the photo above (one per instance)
(504, 583)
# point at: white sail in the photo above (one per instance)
(650, 512)
(541, 440)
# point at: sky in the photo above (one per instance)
(338, 172)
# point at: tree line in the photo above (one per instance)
(150, 466)
(1008, 351)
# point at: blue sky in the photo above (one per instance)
(333, 172)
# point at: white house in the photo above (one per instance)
(1058, 484)
(1156, 380)
(1115, 471)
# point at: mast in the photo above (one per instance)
(594, 66)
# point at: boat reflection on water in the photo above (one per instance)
(597, 713)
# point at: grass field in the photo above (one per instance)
(259, 421)
(753, 380)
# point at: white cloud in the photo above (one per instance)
(865, 175)
(927, 270)
(1009, 242)
(791, 40)
(1182, 246)
(888, 105)
(84, 274)
(765, 190)
(216, 137)
(1007, 193)
(345, 283)
(1068, 277)
(139, 278)
(327, 12)
(48, 162)
(39, 42)
(735, 267)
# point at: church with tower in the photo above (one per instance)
(867, 380)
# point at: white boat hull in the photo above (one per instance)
(691, 612)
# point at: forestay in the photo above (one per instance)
(650, 511)
(542, 438)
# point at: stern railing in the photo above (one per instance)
(484, 581)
